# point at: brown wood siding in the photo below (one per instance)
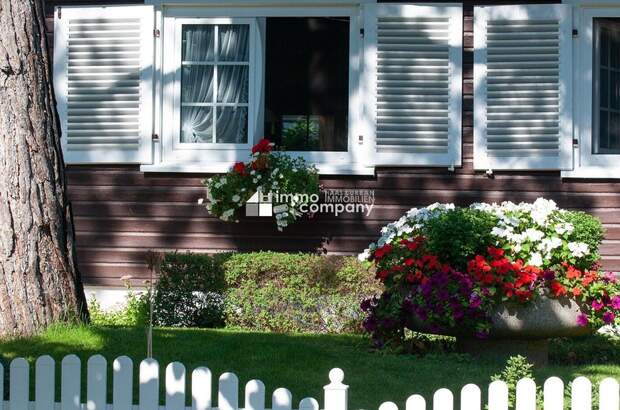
(120, 213)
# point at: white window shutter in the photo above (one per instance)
(103, 80)
(413, 75)
(523, 87)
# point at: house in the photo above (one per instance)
(460, 102)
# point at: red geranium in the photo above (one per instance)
(263, 146)
(239, 168)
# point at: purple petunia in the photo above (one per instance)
(549, 275)
(582, 319)
(615, 302)
(475, 301)
(608, 317)
(597, 305)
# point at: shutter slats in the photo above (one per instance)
(521, 56)
(106, 81)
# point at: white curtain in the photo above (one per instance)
(197, 84)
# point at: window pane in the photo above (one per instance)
(234, 42)
(232, 125)
(197, 84)
(307, 83)
(606, 113)
(196, 124)
(198, 43)
(232, 84)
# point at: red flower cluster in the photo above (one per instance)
(496, 273)
(263, 146)
(239, 168)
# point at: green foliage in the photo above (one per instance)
(302, 136)
(517, 368)
(134, 313)
(189, 292)
(284, 292)
(589, 230)
(598, 348)
(460, 234)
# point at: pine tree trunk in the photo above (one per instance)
(39, 280)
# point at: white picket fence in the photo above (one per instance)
(335, 393)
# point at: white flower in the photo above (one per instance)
(578, 249)
(534, 235)
(564, 228)
(201, 201)
(549, 244)
(236, 198)
(227, 214)
(536, 259)
(364, 256)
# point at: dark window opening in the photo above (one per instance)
(606, 113)
(307, 83)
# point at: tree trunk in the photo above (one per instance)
(39, 280)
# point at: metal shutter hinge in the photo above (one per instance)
(360, 139)
(575, 32)
(59, 12)
(156, 32)
(155, 137)
(575, 142)
(362, 33)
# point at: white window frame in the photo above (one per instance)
(253, 72)
(356, 160)
(589, 165)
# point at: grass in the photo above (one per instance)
(301, 362)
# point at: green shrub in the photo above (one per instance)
(460, 234)
(135, 312)
(286, 292)
(588, 229)
(517, 368)
(189, 292)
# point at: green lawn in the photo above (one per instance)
(301, 362)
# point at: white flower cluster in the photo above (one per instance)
(534, 232)
(413, 220)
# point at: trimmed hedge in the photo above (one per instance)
(265, 291)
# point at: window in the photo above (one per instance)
(214, 83)
(596, 74)
(606, 98)
(307, 87)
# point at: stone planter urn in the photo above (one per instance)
(521, 329)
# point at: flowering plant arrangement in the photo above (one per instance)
(290, 181)
(449, 267)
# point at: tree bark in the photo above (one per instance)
(39, 279)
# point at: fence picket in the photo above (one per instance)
(498, 395)
(609, 394)
(149, 384)
(255, 395)
(70, 383)
(443, 399)
(308, 403)
(415, 402)
(96, 383)
(44, 383)
(175, 386)
(336, 393)
(581, 394)
(228, 392)
(471, 397)
(282, 399)
(18, 383)
(553, 393)
(526, 394)
(201, 388)
(122, 387)
(388, 405)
